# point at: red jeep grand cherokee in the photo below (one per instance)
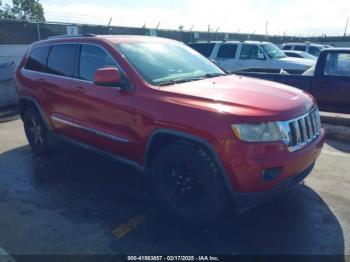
(160, 106)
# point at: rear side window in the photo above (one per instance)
(93, 57)
(287, 47)
(300, 47)
(227, 51)
(337, 64)
(293, 55)
(37, 59)
(61, 60)
(203, 48)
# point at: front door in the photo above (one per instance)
(102, 114)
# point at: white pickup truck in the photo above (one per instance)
(237, 55)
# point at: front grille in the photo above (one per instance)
(302, 130)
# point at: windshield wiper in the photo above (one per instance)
(189, 79)
(171, 82)
(213, 75)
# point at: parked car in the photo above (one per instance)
(313, 49)
(299, 54)
(328, 81)
(234, 55)
(161, 107)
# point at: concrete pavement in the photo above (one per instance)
(80, 203)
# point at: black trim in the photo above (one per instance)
(196, 139)
(38, 107)
(102, 152)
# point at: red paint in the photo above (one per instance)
(205, 108)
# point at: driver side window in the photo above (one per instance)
(93, 57)
(251, 52)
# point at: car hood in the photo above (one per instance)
(249, 99)
(299, 61)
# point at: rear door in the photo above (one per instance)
(226, 56)
(332, 87)
(102, 113)
(56, 87)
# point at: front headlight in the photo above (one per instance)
(264, 132)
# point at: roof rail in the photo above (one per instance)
(66, 36)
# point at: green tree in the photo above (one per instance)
(29, 10)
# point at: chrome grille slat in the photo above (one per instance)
(302, 130)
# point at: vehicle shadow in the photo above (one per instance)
(92, 190)
(345, 147)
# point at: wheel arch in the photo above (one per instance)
(161, 137)
(25, 102)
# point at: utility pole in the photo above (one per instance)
(156, 30)
(38, 30)
(346, 26)
(216, 33)
(109, 25)
(266, 27)
(209, 32)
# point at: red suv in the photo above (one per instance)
(204, 136)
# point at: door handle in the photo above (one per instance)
(326, 82)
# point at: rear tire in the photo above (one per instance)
(39, 136)
(189, 183)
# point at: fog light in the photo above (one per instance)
(271, 173)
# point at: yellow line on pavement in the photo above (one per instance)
(133, 222)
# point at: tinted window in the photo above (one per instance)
(337, 64)
(300, 47)
(61, 60)
(204, 48)
(293, 55)
(37, 59)
(314, 50)
(251, 52)
(92, 58)
(287, 47)
(227, 51)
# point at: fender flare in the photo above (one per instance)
(196, 139)
(33, 101)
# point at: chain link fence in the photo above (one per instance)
(22, 32)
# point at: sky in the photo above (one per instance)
(288, 17)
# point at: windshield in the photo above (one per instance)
(167, 62)
(273, 51)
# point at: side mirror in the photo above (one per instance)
(109, 76)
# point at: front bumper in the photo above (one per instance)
(244, 201)
(246, 162)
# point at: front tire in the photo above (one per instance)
(38, 135)
(189, 183)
